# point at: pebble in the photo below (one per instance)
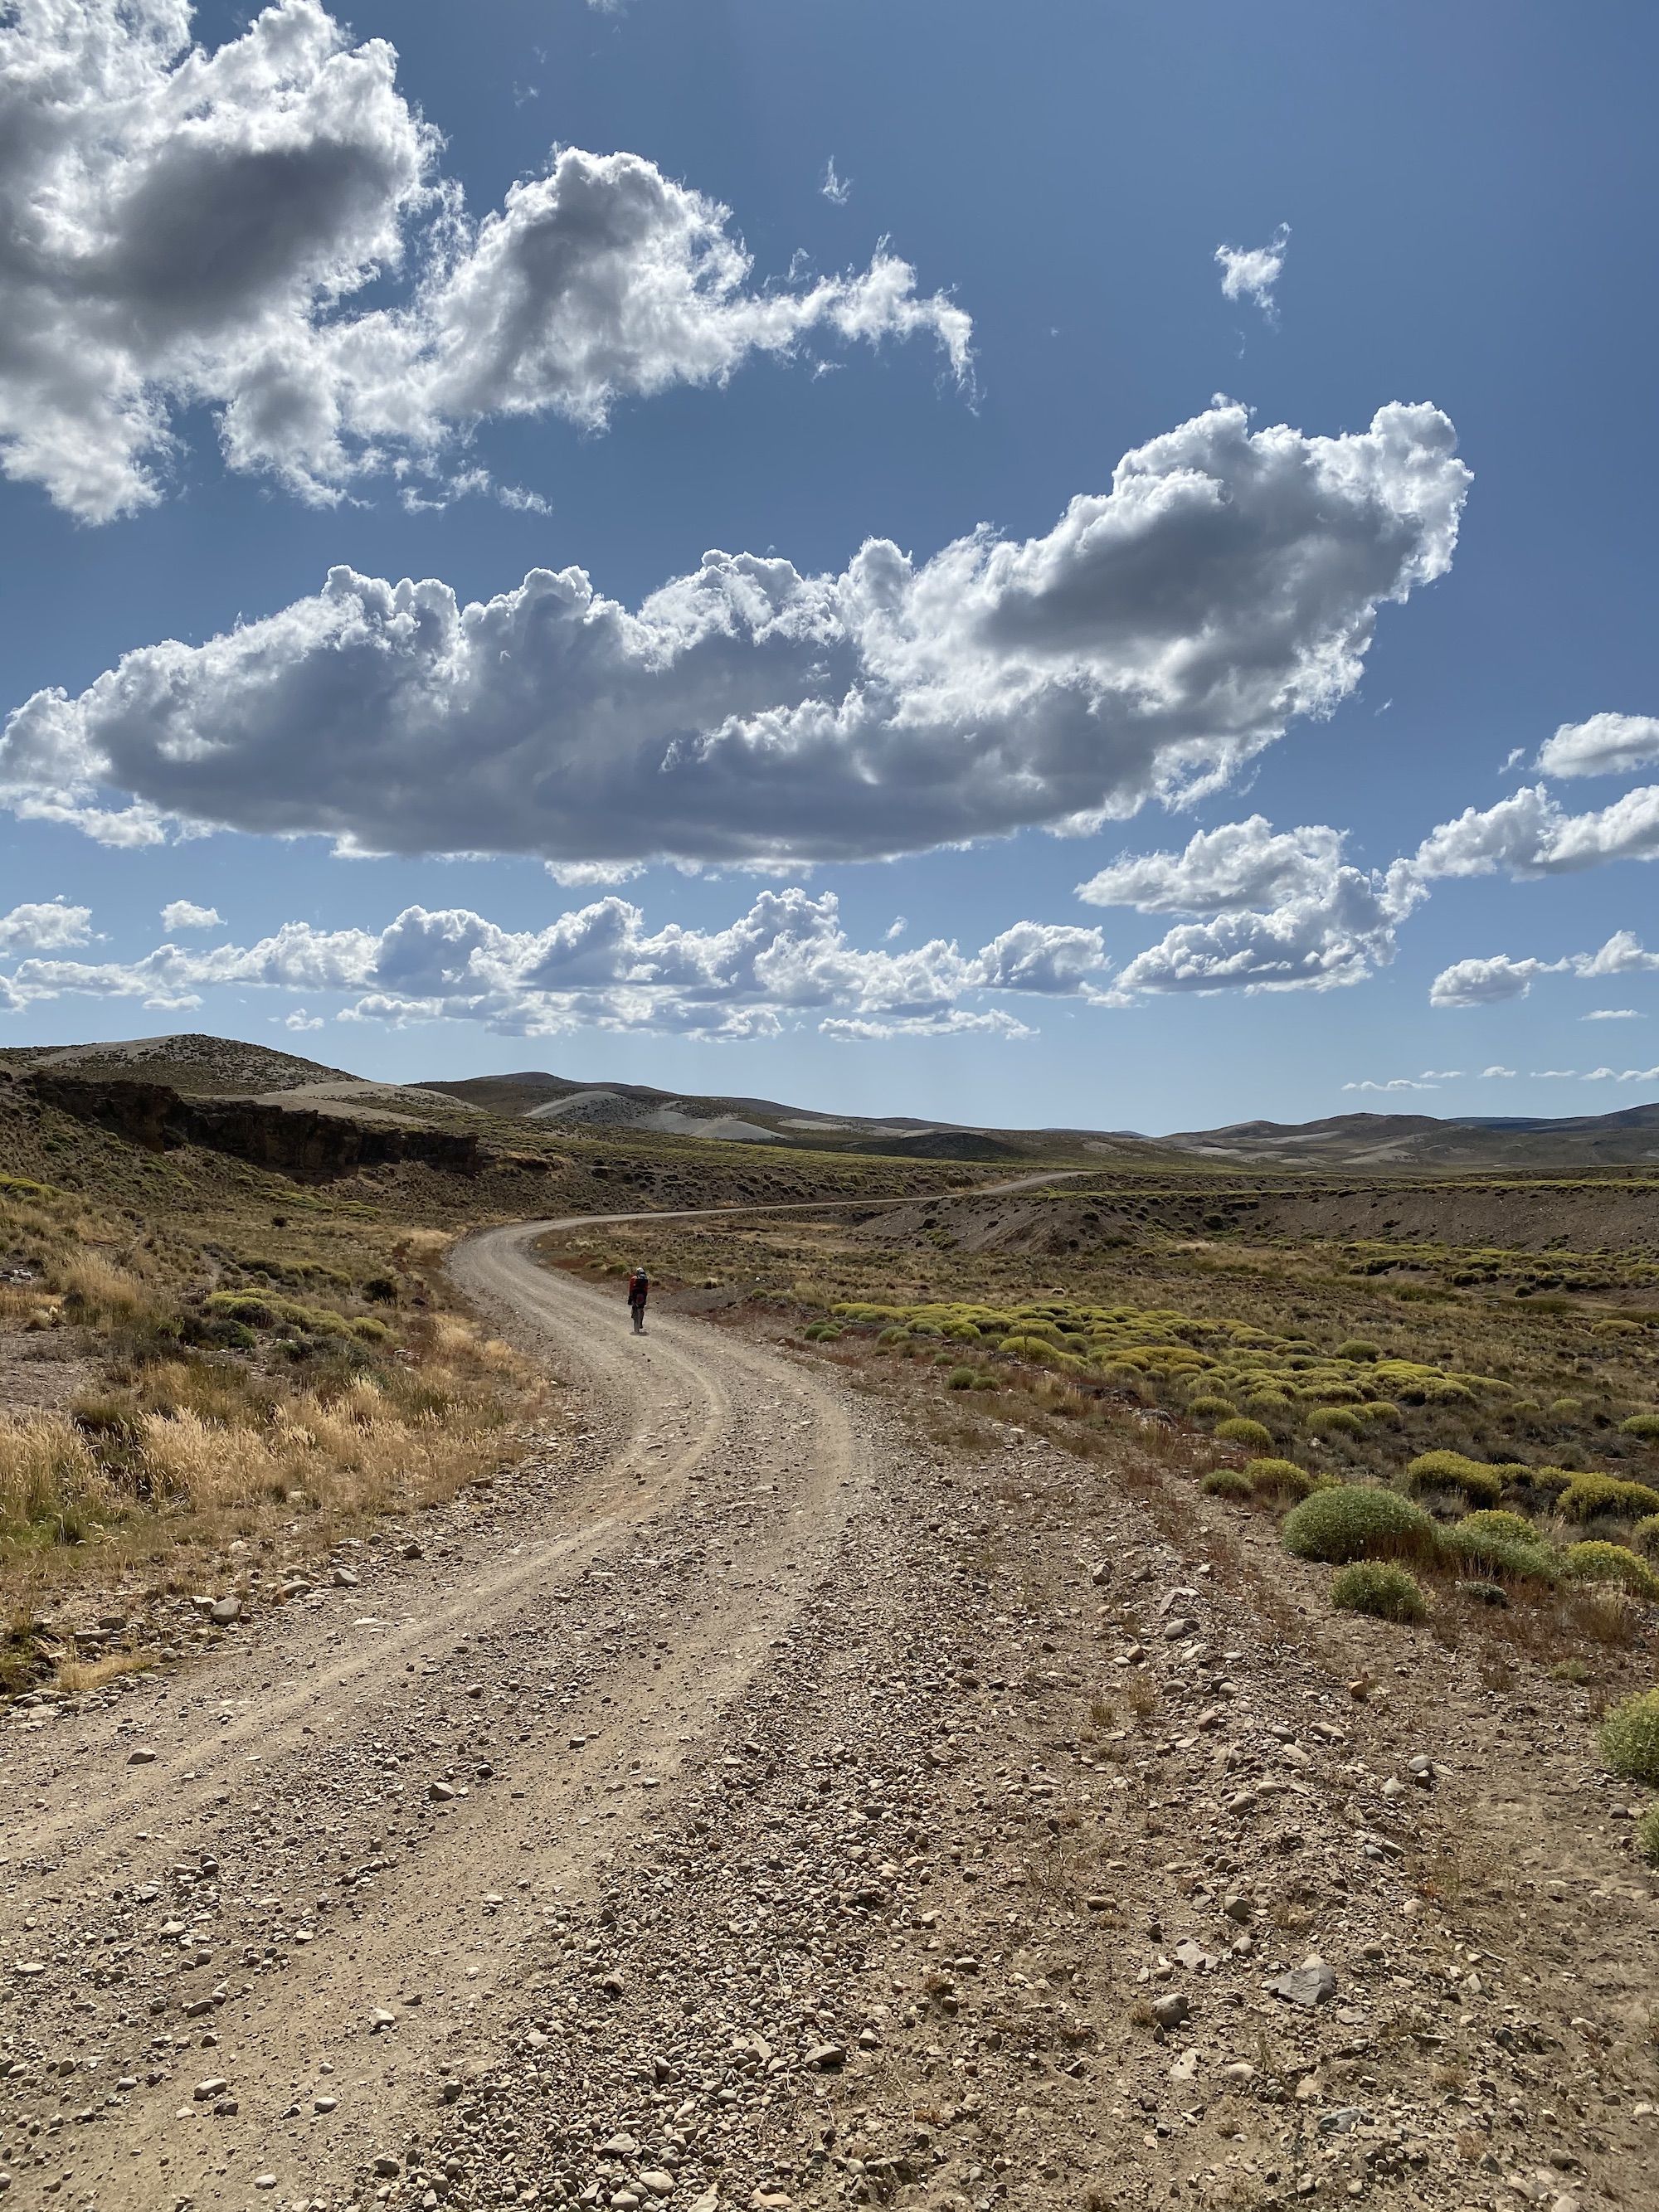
(140, 1757)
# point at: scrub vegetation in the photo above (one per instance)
(1480, 1422)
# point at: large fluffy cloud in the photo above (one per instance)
(1606, 745)
(1281, 911)
(44, 927)
(1160, 634)
(1241, 864)
(786, 960)
(185, 228)
(1531, 834)
(1320, 939)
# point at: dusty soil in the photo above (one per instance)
(765, 1792)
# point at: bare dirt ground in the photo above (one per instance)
(763, 1794)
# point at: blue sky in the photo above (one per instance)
(410, 344)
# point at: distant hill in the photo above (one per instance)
(199, 1067)
(538, 1097)
(205, 1067)
(1480, 1143)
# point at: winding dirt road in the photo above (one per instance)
(768, 1793)
(291, 1863)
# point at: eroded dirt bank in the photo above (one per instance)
(754, 1798)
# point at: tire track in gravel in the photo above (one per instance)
(714, 1447)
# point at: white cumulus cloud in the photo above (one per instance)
(1241, 864)
(1282, 910)
(1606, 745)
(1251, 273)
(185, 228)
(1159, 636)
(184, 913)
(786, 961)
(45, 927)
(1479, 982)
(1531, 834)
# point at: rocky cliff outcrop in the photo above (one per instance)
(294, 1140)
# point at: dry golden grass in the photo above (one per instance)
(188, 1453)
(75, 1675)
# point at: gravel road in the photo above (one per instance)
(752, 1797)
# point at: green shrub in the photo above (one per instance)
(1521, 1558)
(1592, 1496)
(1566, 1409)
(894, 1336)
(1281, 1477)
(1358, 1347)
(1513, 1527)
(1226, 1482)
(1380, 1412)
(1644, 1427)
(1384, 1592)
(1358, 1522)
(822, 1332)
(1647, 1835)
(1208, 1407)
(1040, 1352)
(961, 1378)
(1239, 1431)
(1336, 1420)
(1450, 1470)
(1629, 1738)
(1610, 1563)
(1644, 1536)
(1493, 1594)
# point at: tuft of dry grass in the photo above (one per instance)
(74, 1675)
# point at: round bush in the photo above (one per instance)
(1206, 1406)
(1610, 1563)
(1226, 1482)
(1644, 1536)
(1358, 1348)
(1647, 1835)
(1493, 1594)
(1358, 1522)
(1450, 1470)
(1281, 1477)
(1381, 1412)
(1384, 1592)
(1595, 1497)
(1515, 1528)
(1629, 1738)
(961, 1378)
(822, 1332)
(1644, 1427)
(1238, 1430)
(1040, 1352)
(1521, 1558)
(893, 1336)
(1335, 1420)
